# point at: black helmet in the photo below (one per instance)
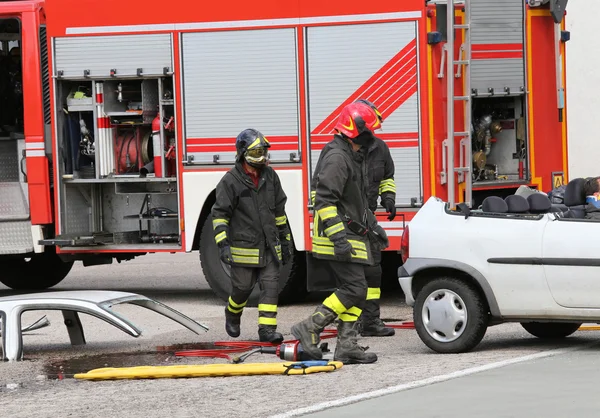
(372, 106)
(252, 146)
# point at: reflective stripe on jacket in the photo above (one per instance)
(251, 219)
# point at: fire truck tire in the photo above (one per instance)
(292, 280)
(41, 271)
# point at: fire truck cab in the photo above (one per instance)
(131, 116)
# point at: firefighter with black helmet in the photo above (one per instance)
(252, 233)
(381, 184)
(340, 234)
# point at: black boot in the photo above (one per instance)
(347, 349)
(268, 334)
(371, 325)
(308, 330)
(232, 323)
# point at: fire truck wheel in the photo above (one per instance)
(292, 279)
(39, 272)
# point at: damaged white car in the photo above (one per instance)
(514, 260)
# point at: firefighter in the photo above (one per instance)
(381, 183)
(341, 216)
(252, 233)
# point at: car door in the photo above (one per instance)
(571, 259)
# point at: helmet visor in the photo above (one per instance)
(256, 155)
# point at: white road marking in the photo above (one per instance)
(424, 382)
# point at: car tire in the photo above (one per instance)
(450, 316)
(292, 277)
(550, 330)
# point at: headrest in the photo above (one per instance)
(574, 194)
(539, 203)
(494, 204)
(516, 204)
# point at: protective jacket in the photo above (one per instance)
(250, 219)
(340, 184)
(381, 173)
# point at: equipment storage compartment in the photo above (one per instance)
(117, 172)
(499, 141)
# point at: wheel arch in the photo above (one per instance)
(423, 270)
(204, 213)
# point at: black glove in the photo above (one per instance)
(225, 253)
(382, 241)
(343, 249)
(390, 206)
(286, 252)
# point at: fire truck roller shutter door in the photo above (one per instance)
(387, 76)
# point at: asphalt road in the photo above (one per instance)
(29, 388)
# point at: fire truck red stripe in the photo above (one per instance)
(278, 143)
(393, 140)
(383, 77)
(497, 55)
(496, 47)
(399, 97)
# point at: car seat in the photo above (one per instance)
(538, 203)
(516, 204)
(494, 204)
(575, 199)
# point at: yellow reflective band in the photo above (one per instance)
(220, 236)
(354, 311)
(362, 255)
(358, 245)
(334, 229)
(312, 197)
(254, 144)
(219, 222)
(237, 305)
(245, 259)
(373, 293)
(245, 251)
(265, 307)
(327, 213)
(333, 303)
(267, 321)
(280, 220)
(387, 185)
(348, 318)
(322, 250)
(236, 311)
(288, 237)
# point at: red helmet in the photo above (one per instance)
(357, 118)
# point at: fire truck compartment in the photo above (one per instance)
(117, 173)
(15, 221)
(499, 141)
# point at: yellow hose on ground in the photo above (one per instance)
(158, 372)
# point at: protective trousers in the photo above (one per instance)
(373, 278)
(243, 280)
(348, 300)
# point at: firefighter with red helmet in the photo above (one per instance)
(381, 184)
(340, 234)
(252, 233)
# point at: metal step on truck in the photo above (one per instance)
(117, 122)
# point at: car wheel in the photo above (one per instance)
(550, 330)
(450, 316)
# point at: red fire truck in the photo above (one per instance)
(119, 119)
